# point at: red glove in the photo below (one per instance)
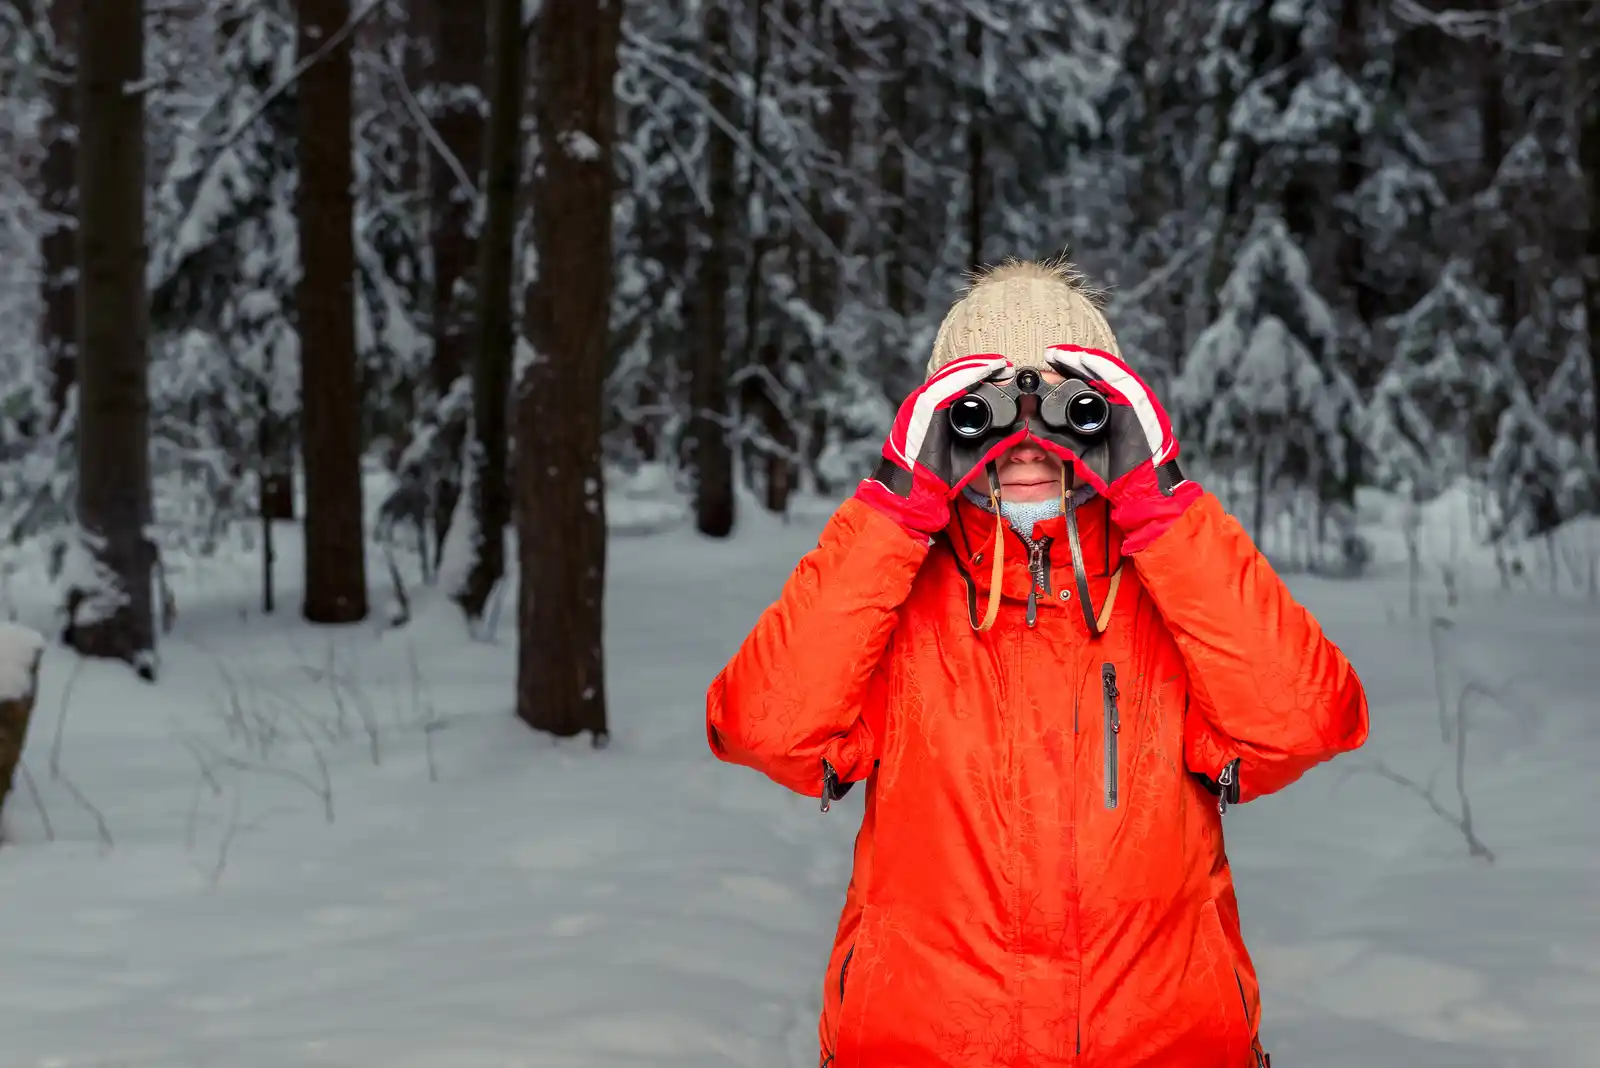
(1136, 453)
(913, 484)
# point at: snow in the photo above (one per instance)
(337, 846)
(20, 650)
(579, 146)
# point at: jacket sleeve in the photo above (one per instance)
(1271, 690)
(803, 687)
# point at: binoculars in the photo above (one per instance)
(1071, 407)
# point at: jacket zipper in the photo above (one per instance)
(1108, 684)
(1041, 574)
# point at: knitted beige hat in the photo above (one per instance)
(1018, 310)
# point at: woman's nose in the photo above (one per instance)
(1027, 451)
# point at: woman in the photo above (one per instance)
(1040, 878)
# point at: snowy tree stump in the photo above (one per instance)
(21, 649)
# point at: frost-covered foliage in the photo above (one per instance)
(1262, 389)
(1433, 415)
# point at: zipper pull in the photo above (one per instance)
(830, 784)
(1228, 786)
(1041, 584)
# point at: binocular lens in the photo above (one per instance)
(969, 416)
(1088, 412)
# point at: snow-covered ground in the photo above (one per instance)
(339, 848)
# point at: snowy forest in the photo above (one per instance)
(406, 406)
(447, 278)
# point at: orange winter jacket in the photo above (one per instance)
(1040, 878)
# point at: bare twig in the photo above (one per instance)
(342, 683)
(273, 92)
(227, 840)
(1462, 819)
(1461, 823)
(323, 790)
(423, 708)
(61, 720)
(207, 776)
(466, 185)
(1436, 631)
(89, 806)
(331, 677)
(38, 800)
(402, 614)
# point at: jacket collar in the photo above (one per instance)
(972, 534)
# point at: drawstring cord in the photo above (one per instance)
(998, 572)
(1096, 622)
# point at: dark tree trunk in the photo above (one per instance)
(892, 176)
(330, 398)
(1500, 267)
(1591, 169)
(713, 456)
(58, 244)
(114, 418)
(411, 29)
(976, 116)
(495, 338)
(836, 125)
(560, 481)
(764, 398)
(277, 484)
(460, 44)
(1350, 258)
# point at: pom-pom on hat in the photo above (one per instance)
(1019, 309)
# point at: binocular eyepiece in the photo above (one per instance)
(1071, 406)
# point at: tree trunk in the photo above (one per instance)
(459, 47)
(330, 398)
(409, 27)
(713, 457)
(113, 618)
(495, 339)
(1351, 251)
(58, 242)
(274, 483)
(764, 397)
(836, 126)
(560, 480)
(896, 109)
(977, 108)
(1591, 167)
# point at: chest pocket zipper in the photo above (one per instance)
(1113, 727)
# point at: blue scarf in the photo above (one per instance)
(1022, 515)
